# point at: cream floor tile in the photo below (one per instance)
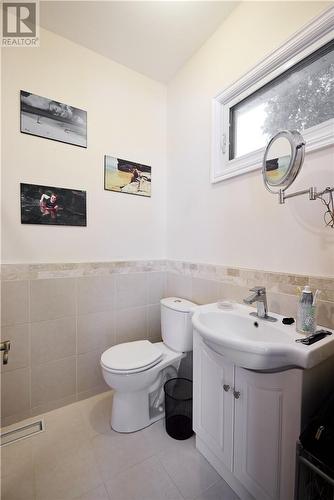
(191, 473)
(219, 491)
(96, 413)
(72, 475)
(16, 458)
(115, 453)
(146, 481)
(99, 493)
(18, 487)
(79, 450)
(160, 441)
(65, 432)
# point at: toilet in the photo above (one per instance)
(137, 371)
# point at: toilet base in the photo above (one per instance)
(130, 412)
(138, 398)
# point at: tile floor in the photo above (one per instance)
(80, 457)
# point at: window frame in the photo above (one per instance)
(302, 44)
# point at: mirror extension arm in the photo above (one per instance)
(282, 161)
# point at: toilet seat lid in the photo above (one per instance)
(131, 355)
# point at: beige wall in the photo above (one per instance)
(237, 222)
(126, 118)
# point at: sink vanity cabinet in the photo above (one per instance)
(247, 422)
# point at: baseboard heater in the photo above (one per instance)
(22, 432)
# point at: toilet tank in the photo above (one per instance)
(176, 325)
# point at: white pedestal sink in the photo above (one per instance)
(255, 343)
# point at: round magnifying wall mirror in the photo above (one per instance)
(283, 158)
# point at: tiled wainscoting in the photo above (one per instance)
(60, 318)
(205, 283)
(59, 325)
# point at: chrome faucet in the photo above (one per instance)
(260, 297)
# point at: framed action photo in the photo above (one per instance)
(126, 176)
(52, 206)
(53, 120)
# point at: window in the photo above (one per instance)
(299, 99)
(291, 89)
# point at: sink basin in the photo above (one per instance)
(255, 343)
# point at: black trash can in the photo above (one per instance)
(178, 408)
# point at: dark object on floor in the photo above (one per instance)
(178, 408)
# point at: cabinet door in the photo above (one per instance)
(267, 422)
(213, 404)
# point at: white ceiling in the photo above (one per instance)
(152, 37)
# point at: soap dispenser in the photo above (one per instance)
(306, 312)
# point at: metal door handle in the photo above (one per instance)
(5, 347)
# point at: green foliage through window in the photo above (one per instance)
(299, 99)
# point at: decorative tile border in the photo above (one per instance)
(12, 272)
(276, 282)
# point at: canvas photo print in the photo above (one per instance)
(53, 120)
(126, 176)
(52, 206)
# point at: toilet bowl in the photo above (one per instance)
(137, 371)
